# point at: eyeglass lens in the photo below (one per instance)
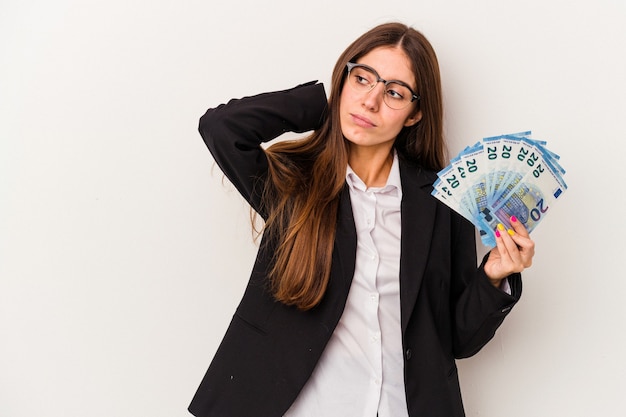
(396, 96)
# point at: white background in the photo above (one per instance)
(123, 252)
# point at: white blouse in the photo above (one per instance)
(361, 371)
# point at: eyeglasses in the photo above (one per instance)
(363, 78)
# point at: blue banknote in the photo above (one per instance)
(499, 177)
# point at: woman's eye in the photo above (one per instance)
(394, 94)
(362, 80)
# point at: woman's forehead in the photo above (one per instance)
(391, 63)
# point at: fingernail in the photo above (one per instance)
(513, 219)
(510, 232)
(497, 233)
(501, 227)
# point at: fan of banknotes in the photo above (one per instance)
(500, 177)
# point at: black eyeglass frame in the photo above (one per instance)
(351, 65)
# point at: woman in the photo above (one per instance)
(365, 288)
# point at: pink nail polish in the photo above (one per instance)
(513, 219)
(497, 233)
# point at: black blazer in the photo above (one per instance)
(449, 309)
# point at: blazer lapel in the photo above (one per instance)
(418, 218)
(345, 246)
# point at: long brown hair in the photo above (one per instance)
(306, 176)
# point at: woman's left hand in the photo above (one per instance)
(514, 252)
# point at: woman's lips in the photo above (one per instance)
(362, 121)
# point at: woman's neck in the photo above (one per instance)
(372, 166)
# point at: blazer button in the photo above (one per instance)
(407, 354)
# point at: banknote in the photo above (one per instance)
(499, 177)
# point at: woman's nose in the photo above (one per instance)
(374, 97)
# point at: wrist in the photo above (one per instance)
(496, 282)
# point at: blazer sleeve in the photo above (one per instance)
(479, 307)
(234, 131)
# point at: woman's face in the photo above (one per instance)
(366, 120)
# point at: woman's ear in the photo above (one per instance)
(412, 120)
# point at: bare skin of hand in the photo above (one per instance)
(513, 253)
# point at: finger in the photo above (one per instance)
(500, 246)
(520, 234)
(523, 242)
(526, 248)
(510, 245)
(518, 227)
